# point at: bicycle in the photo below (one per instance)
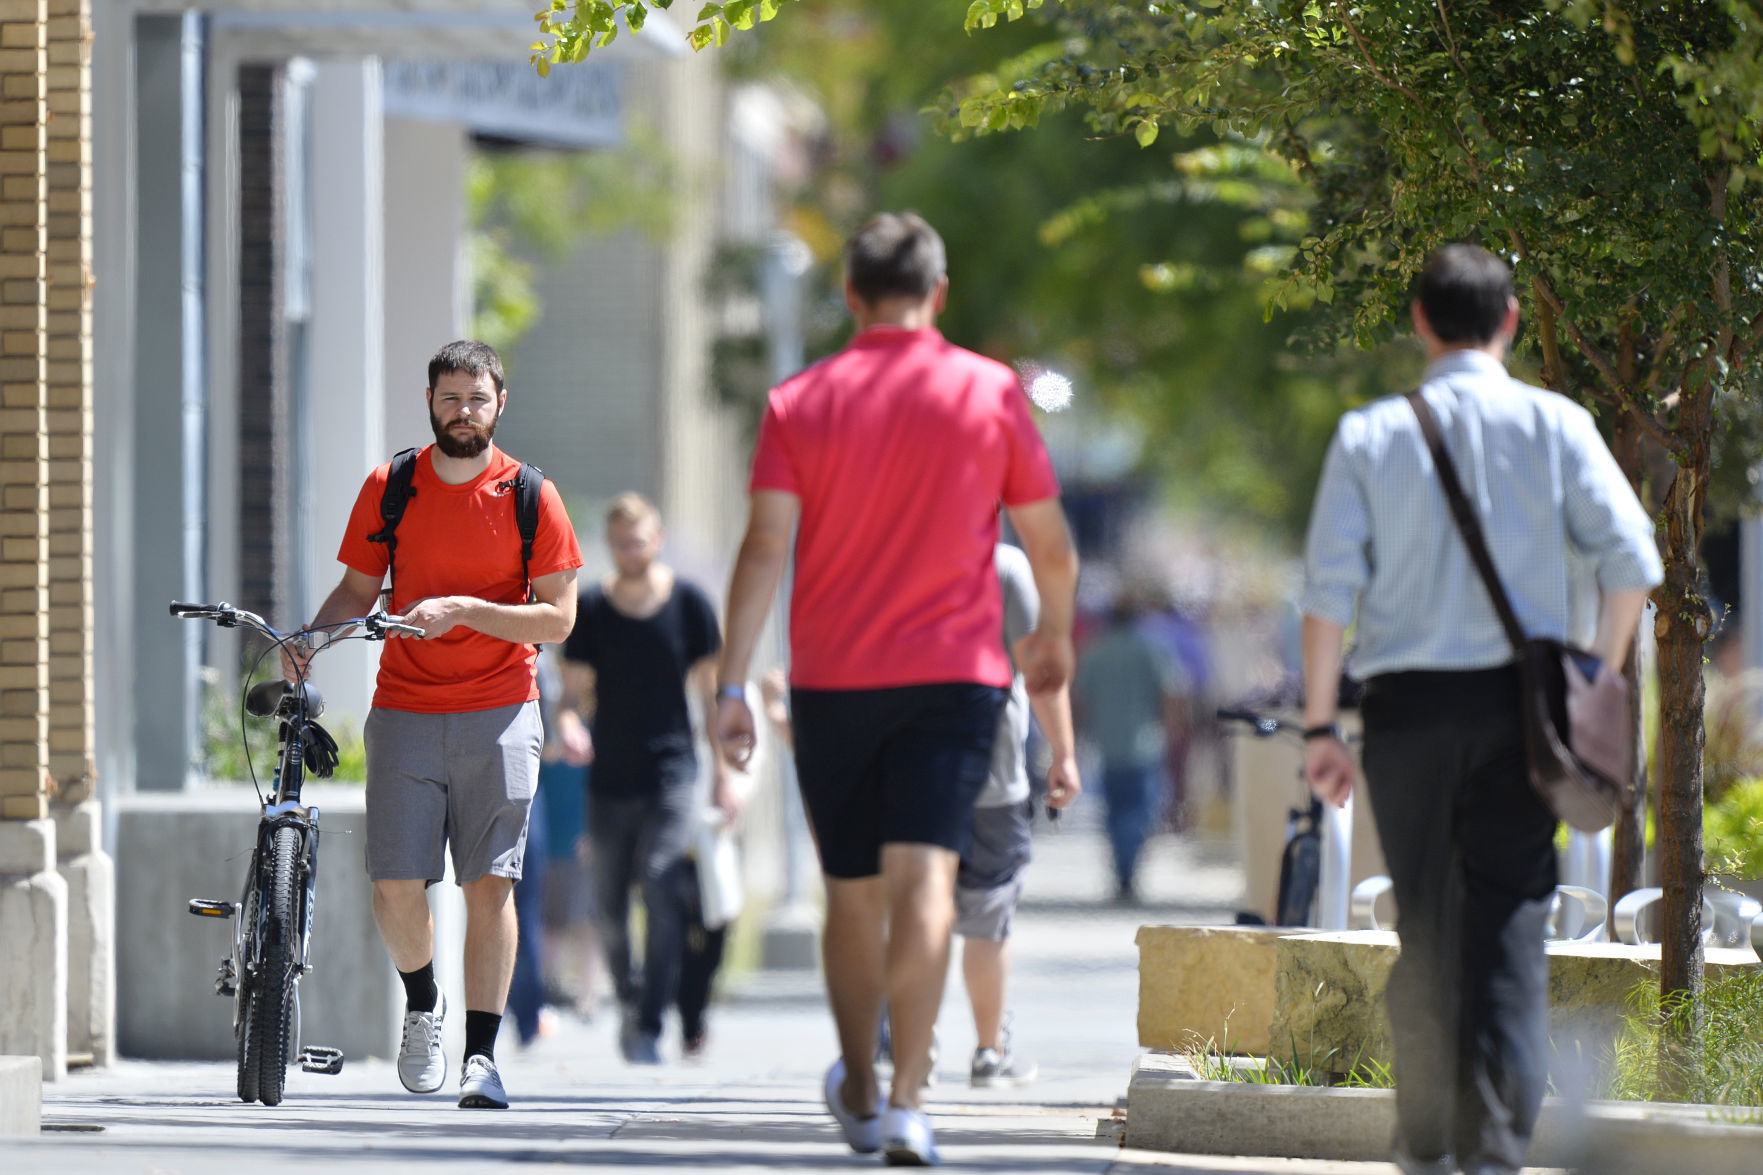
(272, 921)
(1301, 863)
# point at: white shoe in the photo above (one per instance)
(480, 1086)
(907, 1139)
(422, 1066)
(864, 1134)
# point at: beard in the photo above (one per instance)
(463, 445)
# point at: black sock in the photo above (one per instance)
(480, 1034)
(420, 992)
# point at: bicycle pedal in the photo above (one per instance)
(318, 1059)
(226, 979)
(212, 908)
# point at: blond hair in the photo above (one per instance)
(631, 508)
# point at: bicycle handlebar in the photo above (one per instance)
(377, 626)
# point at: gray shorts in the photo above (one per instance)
(459, 781)
(989, 883)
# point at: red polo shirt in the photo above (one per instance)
(901, 448)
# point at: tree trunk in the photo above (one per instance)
(1680, 628)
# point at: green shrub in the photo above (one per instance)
(1730, 1070)
(1732, 831)
(224, 753)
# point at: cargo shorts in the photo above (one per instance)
(459, 782)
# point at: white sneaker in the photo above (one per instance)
(907, 1139)
(480, 1086)
(864, 1134)
(422, 1066)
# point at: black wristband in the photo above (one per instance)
(1327, 730)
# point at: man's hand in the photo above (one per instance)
(297, 658)
(727, 796)
(578, 743)
(436, 615)
(734, 732)
(1329, 769)
(1063, 783)
(1045, 660)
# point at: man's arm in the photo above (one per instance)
(1054, 713)
(354, 595)
(546, 620)
(702, 677)
(1045, 655)
(1619, 613)
(1328, 764)
(576, 708)
(759, 567)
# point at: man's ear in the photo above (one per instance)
(941, 293)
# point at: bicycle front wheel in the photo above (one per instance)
(272, 1011)
(245, 1021)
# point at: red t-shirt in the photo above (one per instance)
(901, 448)
(458, 540)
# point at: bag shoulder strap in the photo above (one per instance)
(393, 499)
(527, 488)
(1468, 525)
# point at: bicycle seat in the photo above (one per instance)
(266, 698)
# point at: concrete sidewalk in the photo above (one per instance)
(754, 1104)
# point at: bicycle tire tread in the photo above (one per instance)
(274, 1004)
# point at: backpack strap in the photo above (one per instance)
(395, 497)
(527, 487)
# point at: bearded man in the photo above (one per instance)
(454, 736)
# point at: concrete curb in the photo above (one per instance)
(1169, 1109)
(21, 1095)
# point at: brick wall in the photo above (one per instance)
(24, 436)
(69, 402)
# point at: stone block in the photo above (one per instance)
(26, 846)
(21, 1096)
(1168, 1109)
(1329, 1008)
(1206, 983)
(33, 966)
(91, 933)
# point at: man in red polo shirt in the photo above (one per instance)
(454, 736)
(888, 462)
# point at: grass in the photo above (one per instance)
(1727, 1070)
(1215, 1060)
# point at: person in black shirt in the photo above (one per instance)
(641, 638)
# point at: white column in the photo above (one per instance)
(340, 392)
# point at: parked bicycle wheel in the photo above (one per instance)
(245, 1028)
(273, 1011)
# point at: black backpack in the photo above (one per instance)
(526, 486)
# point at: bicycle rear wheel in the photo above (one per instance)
(272, 1008)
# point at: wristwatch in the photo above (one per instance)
(1326, 730)
(735, 691)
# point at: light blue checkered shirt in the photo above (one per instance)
(1544, 484)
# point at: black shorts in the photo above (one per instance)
(892, 766)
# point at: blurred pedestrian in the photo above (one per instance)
(988, 884)
(893, 456)
(1125, 695)
(1469, 842)
(642, 637)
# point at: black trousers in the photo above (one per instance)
(643, 841)
(1470, 849)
